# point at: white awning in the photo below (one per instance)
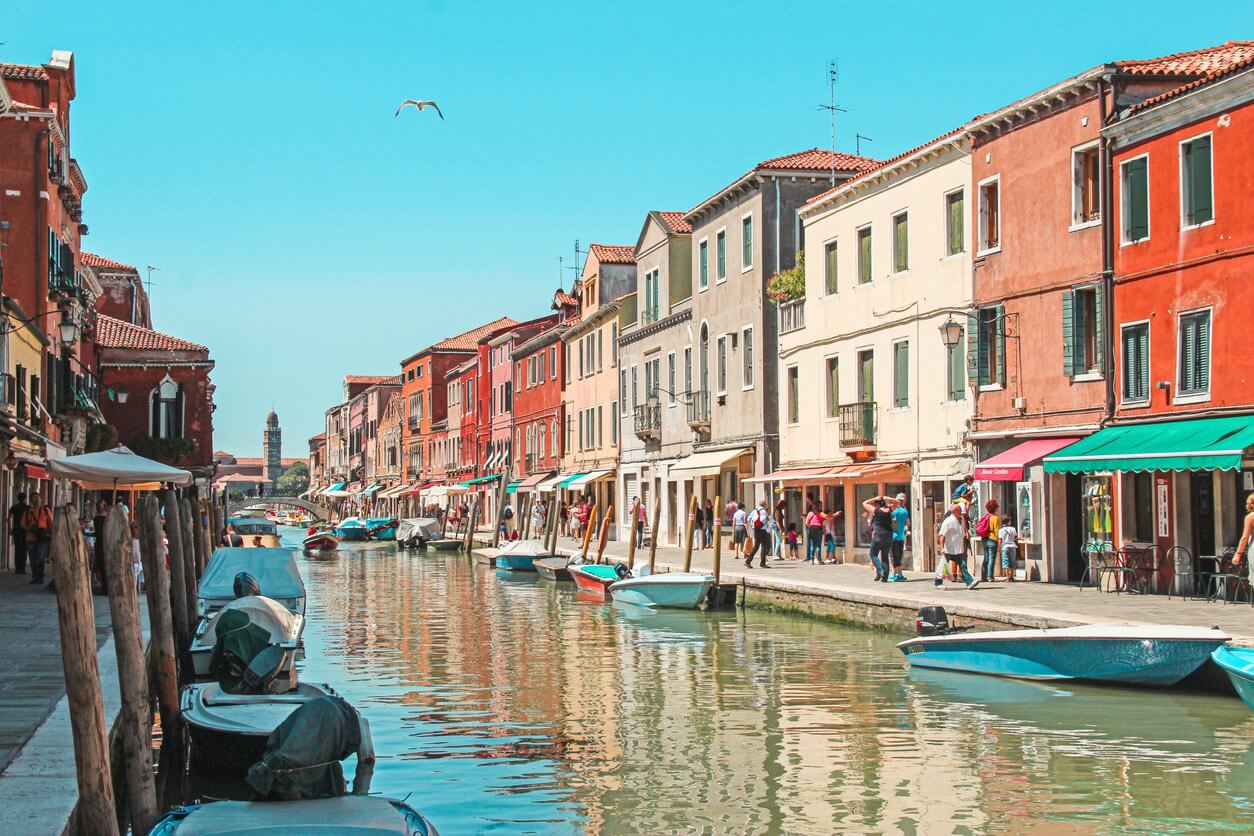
(588, 478)
(707, 463)
(550, 485)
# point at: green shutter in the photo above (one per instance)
(830, 282)
(1099, 336)
(901, 254)
(901, 374)
(1188, 354)
(975, 349)
(1137, 197)
(957, 370)
(1001, 344)
(1129, 364)
(956, 231)
(1069, 343)
(864, 256)
(1197, 154)
(1203, 352)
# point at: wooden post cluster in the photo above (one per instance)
(554, 524)
(183, 617)
(161, 640)
(95, 812)
(588, 529)
(718, 537)
(605, 531)
(631, 538)
(689, 532)
(470, 527)
(657, 513)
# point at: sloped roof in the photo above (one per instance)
(613, 253)
(93, 260)
(811, 159)
(1240, 66)
(23, 71)
(1205, 61)
(884, 164)
(675, 221)
(372, 379)
(117, 333)
(467, 340)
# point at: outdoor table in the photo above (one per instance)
(1143, 566)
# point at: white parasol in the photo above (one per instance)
(117, 468)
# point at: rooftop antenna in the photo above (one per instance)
(832, 109)
(151, 267)
(858, 139)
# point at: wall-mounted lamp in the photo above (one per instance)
(951, 333)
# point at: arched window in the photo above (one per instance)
(166, 413)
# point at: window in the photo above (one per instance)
(613, 422)
(864, 255)
(830, 285)
(1083, 331)
(794, 403)
(570, 427)
(566, 365)
(1194, 353)
(634, 388)
(703, 263)
(956, 372)
(901, 243)
(622, 385)
(955, 223)
(1134, 176)
(1196, 187)
(167, 408)
(552, 362)
(670, 376)
(1086, 207)
(720, 254)
(990, 215)
(746, 357)
(652, 377)
(600, 352)
(1136, 362)
(600, 415)
(901, 374)
(614, 336)
(746, 243)
(582, 434)
(986, 350)
(722, 364)
(688, 369)
(832, 376)
(581, 357)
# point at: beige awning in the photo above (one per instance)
(588, 478)
(707, 463)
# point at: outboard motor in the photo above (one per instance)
(622, 571)
(932, 621)
(245, 584)
(263, 670)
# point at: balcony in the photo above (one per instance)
(792, 316)
(857, 424)
(649, 315)
(648, 421)
(698, 411)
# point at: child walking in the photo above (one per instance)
(791, 539)
(1008, 539)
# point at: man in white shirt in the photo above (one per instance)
(952, 542)
(759, 521)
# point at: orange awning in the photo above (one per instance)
(793, 474)
(868, 472)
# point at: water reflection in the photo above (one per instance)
(503, 703)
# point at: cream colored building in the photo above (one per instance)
(872, 400)
(591, 397)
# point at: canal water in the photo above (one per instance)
(503, 703)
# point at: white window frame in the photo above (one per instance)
(1149, 358)
(720, 364)
(1123, 201)
(703, 282)
(671, 378)
(892, 226)
(945, 209)
(1184, 224)
(1194, 397)
(1076, 223)
(826, 381)
(857, 256)
(893, 345)
(745, 268)
(746, 339)
(980, 249)
(835, 239)
(788, 376)
(720, 233)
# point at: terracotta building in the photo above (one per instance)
(539, 414)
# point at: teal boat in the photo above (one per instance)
(1238, 663)
(520, 555)
(680, 590)
(597, 577)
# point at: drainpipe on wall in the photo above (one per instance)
(777, 222)
(1108, 242)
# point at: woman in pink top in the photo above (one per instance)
(640, 517)
(814, 535)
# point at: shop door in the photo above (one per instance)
(1075, 528)
(1202, 510)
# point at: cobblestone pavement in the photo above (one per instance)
(31, 682)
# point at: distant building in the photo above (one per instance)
(272, 448)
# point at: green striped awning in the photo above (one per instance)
(568, 479)
(480, 480)
(512, 487)
(1192, 444)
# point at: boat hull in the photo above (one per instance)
(447, 545)
(1238, 663)
(373, 814)
(553, 568)
(321, 543)
(665, 590)
(516, 562)
(229, 732)
(596, 578)
(1053, 656)
(352, 534)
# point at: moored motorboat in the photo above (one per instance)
(258, 532)
(228, 730)
(275, 571)
(380, 528)
(1238, 663)
(363, 814)
(321, 541)
(520, 555)
(553, 568)
(281, 627)
(352, 530)
(417, 532)
(1116, 653)
(680, 590)
(596, 578)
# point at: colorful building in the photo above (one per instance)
(538, 418)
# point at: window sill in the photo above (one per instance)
(899, 409)
(748, 388)
(953, 402)
(992, 387)
(1085, 225)
(1087, 377)
(1200, 397)
(746, 269)
(721, 281)
(1188, 227)
(990, 251)
(1137, 404)
(952, 256)
(703, 288)
(899, 273)
(867, 283)
(1134, 243)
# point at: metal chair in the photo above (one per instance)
(1230, 578)
(1184, 576)
(1120, 566)
(1096, 562)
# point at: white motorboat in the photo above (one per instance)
(283, 625)
(352, 814)
(681, 590)
(274, 569)
(417, 532)
(230, 730)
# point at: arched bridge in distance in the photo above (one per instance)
(244, 503)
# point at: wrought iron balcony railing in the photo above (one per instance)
(648, 420)
(698, 410)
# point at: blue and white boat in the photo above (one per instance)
(381, 528)
(352, 530)
(520, 555)
(1116, 653)
(681, 590)
(1238, 663)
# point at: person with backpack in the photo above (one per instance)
(37, 523)
(758, 521)
(986, 528)
(879, 510)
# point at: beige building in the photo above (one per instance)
(741, 236)
(873, 389)
(591, 397)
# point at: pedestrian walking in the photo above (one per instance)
(18, 534)
(698, 526)
(709, 524)
(739, 531)
(759, 521)
(790, 537)
(538, 515)
(37, 524)
(1008, 541)
(880, 510)
(986, 529)
(640, 512)
(1246, 545)
(814, 535)
(952, 542)
(901, 536)
(233, 538)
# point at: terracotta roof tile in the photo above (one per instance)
(1211, 59)
(883, 164)
(467, 340)
(812, 159)
(23, 71)
(1237, 67)
(675, 221)
(563, 298)
(613, 253)
(372, 379)
(93, 260)
(117, 333)
(322, 436)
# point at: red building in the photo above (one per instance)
(122, 293)
(1183, 243)
(1039, 339)
(539, 379)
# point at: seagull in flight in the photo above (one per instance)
(420, 105)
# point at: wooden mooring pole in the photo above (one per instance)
(589, 528)
(135, 722)
(95, 811)
(470, 527)
(605, 531)
(689, 533)
(657, 514)
(718, 537)
(164, 655)
(631, 538)
(199, 542)
(183, 617)
(189, 553)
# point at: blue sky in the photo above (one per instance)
(302, 232)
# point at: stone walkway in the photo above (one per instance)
(1019, 604)
(31, 682)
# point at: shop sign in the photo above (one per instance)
(1162, 493)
